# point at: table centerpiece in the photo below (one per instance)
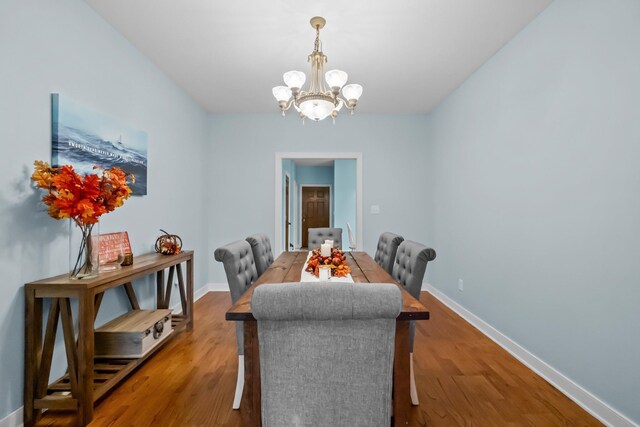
(337, 261)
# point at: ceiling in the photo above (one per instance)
(408, 55)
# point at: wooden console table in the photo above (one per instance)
(88, 378)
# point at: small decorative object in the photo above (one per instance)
(82, 200)
(128, 260)
(336, 261)
(329, 242)
(168, 244)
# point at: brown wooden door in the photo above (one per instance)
(315, 210)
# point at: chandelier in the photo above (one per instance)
(317, 103)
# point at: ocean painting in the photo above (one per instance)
(85, 138)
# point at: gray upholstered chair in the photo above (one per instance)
(262, 254)
(386, 251)
(317, 236)
(326, 352)
(408, 269)
(241, 272)
(352, 238)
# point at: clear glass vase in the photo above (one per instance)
(84, 251)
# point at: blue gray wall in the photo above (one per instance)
(242, 153)
(64, 46)
(537, 196)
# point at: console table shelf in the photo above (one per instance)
(88, 378)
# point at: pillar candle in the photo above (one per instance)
(325, 250)
(329, 242)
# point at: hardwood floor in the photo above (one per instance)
(463, 379)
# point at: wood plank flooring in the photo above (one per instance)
(463, 379)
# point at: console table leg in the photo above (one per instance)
(85, 357)
(159, 288)
(32, 354)
(183, 295)
(190, 294)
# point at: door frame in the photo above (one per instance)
(287, 204)
(280, 156)
(299, 219)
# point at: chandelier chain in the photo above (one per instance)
(317, 47)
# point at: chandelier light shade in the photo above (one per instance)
(317, 102)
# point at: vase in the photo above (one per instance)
(84, 251)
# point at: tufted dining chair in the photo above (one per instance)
(326, 352)
(408, 269)
(261, 249)
(317, 236)
(241, 272)
(386, 250)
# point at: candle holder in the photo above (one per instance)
(324, 273)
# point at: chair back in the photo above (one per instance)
(261, 249)
(241, 272)
(386, 250)
(317, 236)
(326, 352)
(352, 238)
(410, 264)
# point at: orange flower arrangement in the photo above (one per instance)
(83, 199)
(337, 261)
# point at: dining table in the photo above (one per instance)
(288, 267)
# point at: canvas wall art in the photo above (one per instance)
(84, 138)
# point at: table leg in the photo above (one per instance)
(401, 374)
(190, 293)
(32, 354)
(85, 357)
(250, 406)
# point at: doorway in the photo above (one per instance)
(316, 211)
(283, 161)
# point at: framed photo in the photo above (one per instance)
(84, 138)
(112, 246)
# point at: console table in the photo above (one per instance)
(89, 378)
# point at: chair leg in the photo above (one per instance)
(239, 383)
(412, 384)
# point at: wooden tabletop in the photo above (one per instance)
(288, 268)
(142, 266)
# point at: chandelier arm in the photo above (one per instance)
(346, 103)
(289, 103)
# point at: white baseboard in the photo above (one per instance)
(573, 391)
(197, 294)
(15, 419)
(218, 287)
